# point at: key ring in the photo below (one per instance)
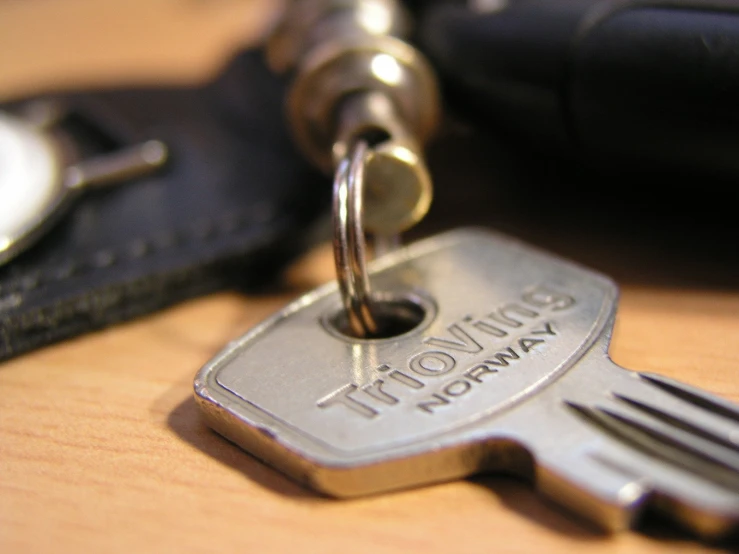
(350, 250)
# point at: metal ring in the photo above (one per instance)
(350, 255)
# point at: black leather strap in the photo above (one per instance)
(230, 209)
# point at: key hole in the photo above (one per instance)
(394, 316)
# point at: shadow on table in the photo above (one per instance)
(185, 420)
(518, 496)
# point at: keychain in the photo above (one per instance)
(470, 352)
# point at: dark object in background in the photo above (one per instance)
(230, 209)
(614, 199)
(646, 83)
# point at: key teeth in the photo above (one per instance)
(673, 444)
(693, 395)
(676, 421)
(659, 434)
(611, 496)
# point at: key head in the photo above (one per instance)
(494, 323)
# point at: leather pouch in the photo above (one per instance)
(229, 209)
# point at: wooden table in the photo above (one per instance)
(101, 446)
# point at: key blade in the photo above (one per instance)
(636, 441)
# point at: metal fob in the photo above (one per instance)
(498, 362)
(41, 173)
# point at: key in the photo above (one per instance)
(37, 184)
(495, 359)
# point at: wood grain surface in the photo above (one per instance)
(101, 446)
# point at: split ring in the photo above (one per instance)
(350, 250)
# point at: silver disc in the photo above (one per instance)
(31, 186)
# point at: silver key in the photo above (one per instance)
(501, 364)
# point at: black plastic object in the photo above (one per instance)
(623, 82)
(229, 210)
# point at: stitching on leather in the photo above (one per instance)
(200, 231)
